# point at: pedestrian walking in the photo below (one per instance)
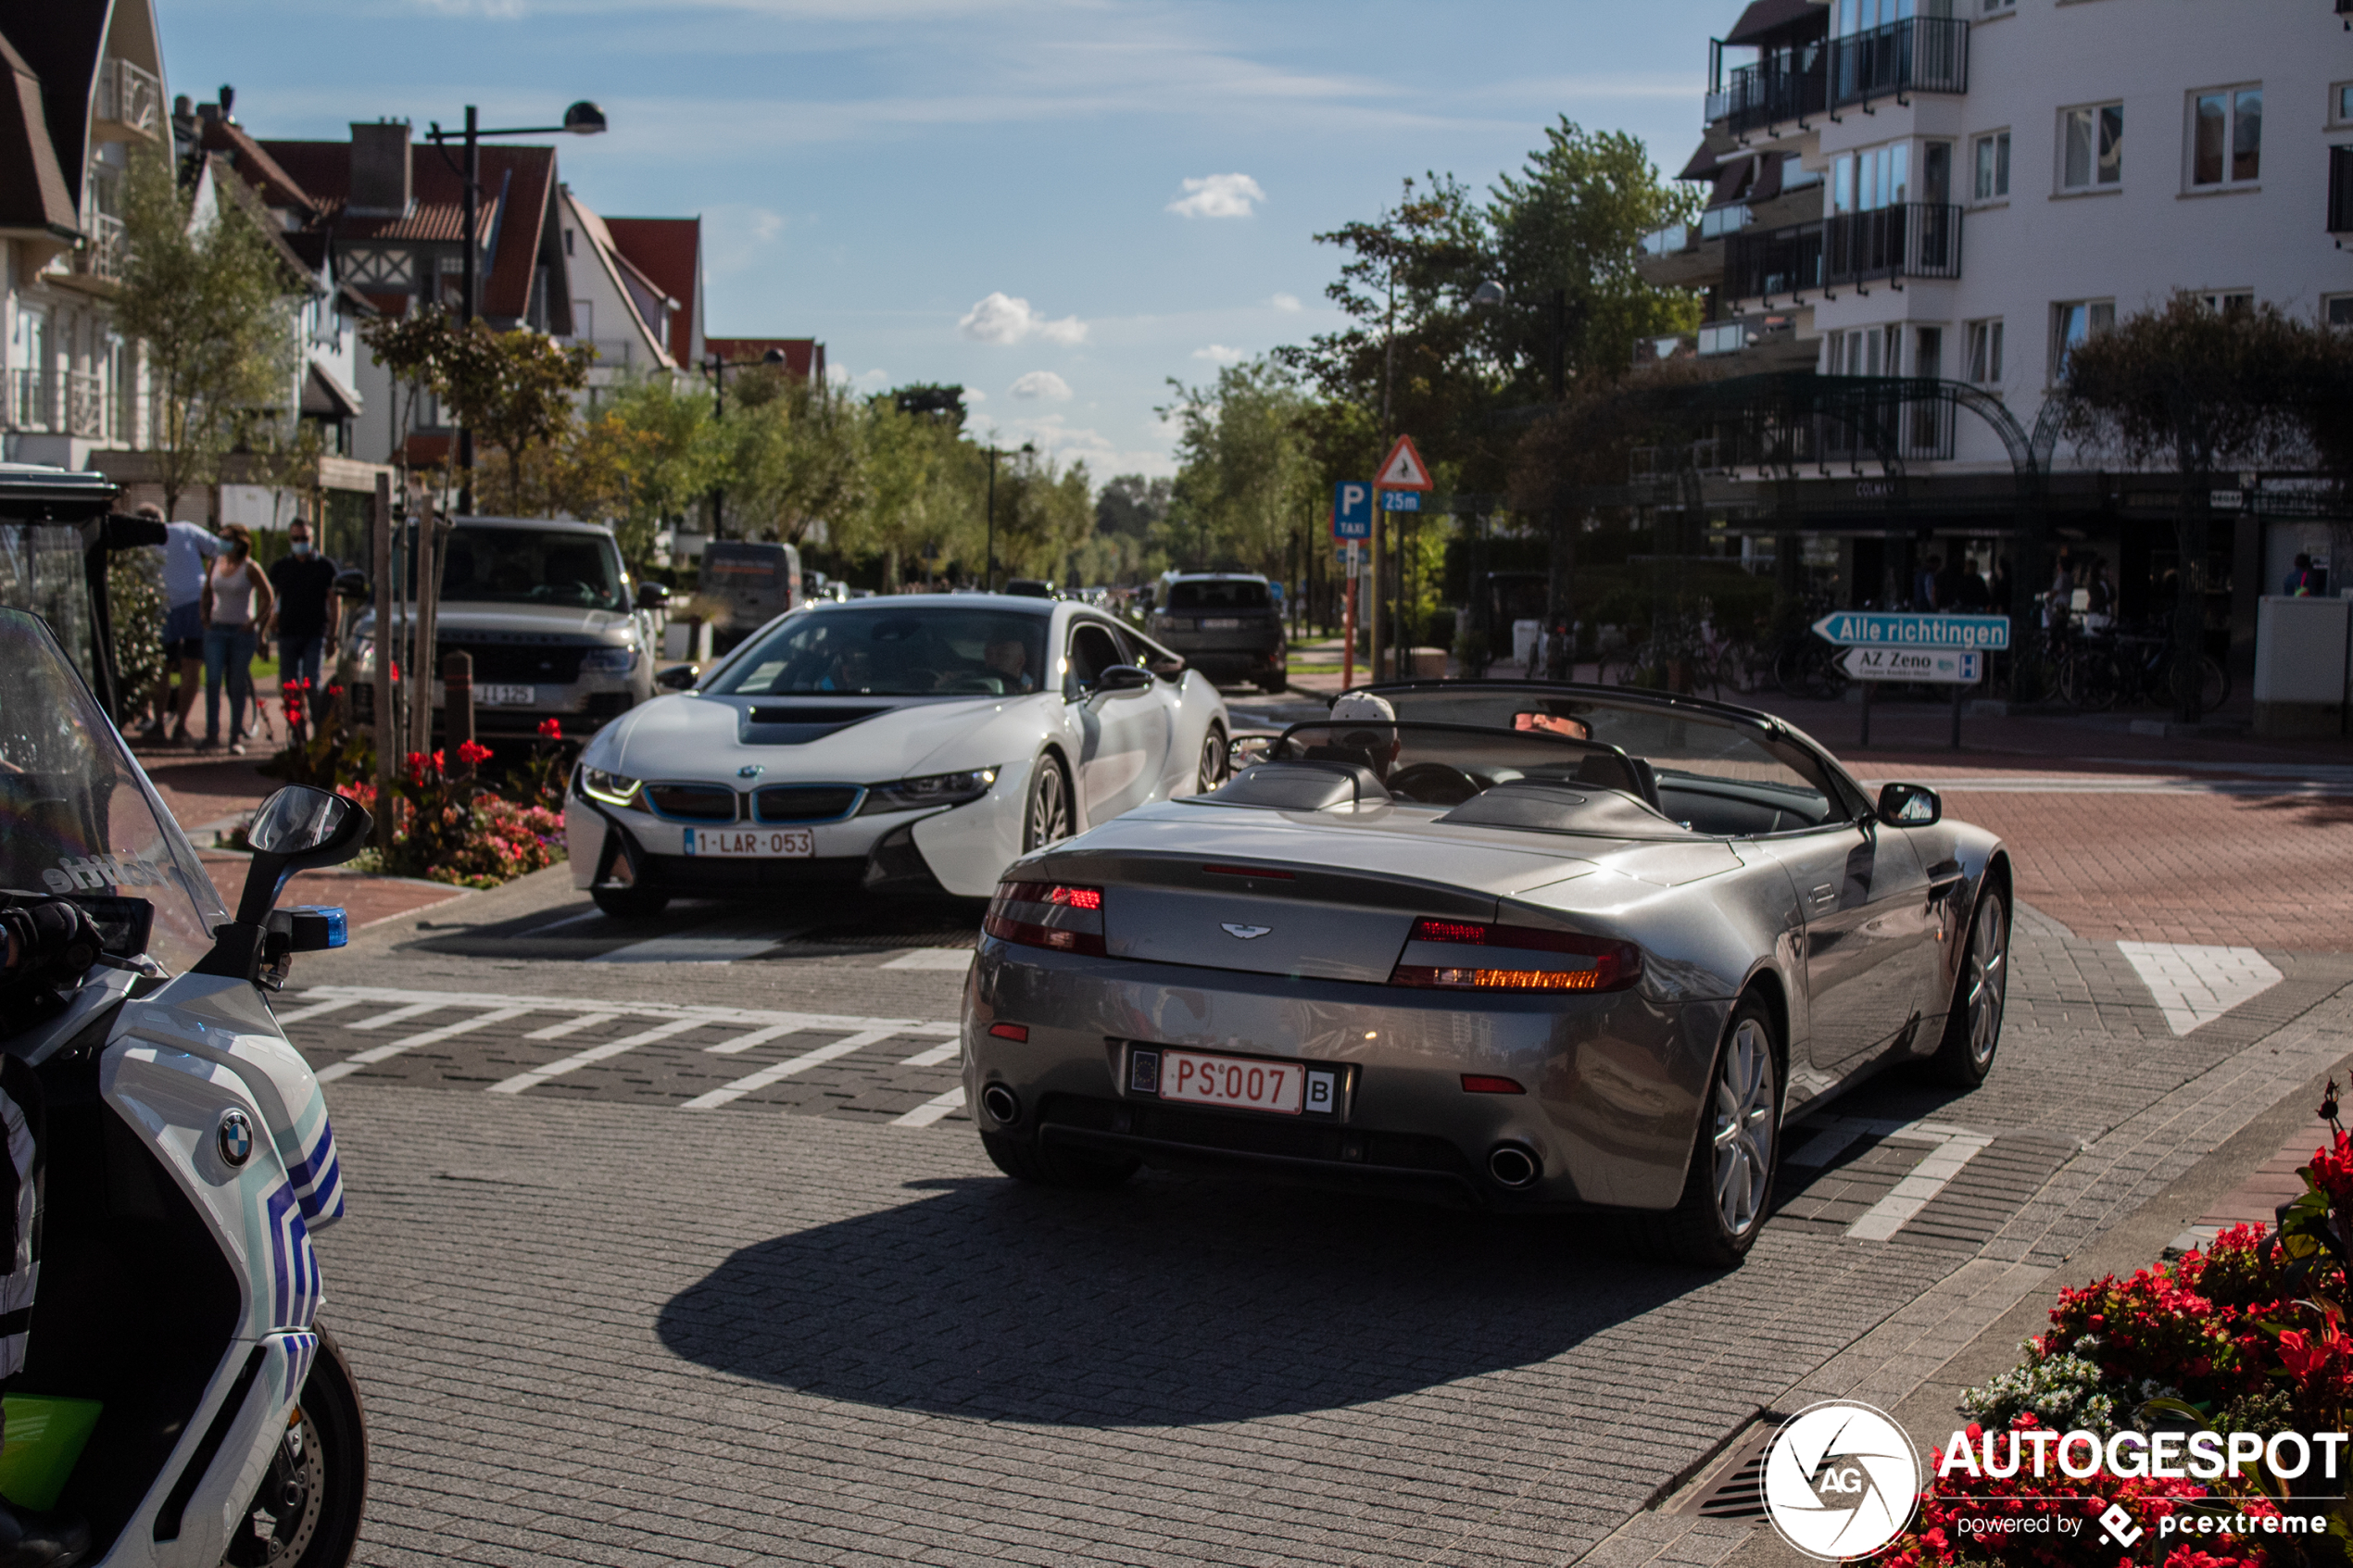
(187, 547)
(237, 601)
(1924, 587)
(308, 617)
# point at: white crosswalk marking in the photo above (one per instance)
(374, 1054)
(572, 1025)
(316, 1010)
(935, 1056)
(2194, 985)
(785, 1069)
(756, 1037)
(578, 1059)
(932, 1110)
(956, 959)
(397, 1015)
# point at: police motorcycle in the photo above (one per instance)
(177, 1402)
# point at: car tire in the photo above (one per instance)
(630, 903)
(1727, 1189)
(1063, 1168)
(1046, 816)
(1973, 1026)
(1211, 770)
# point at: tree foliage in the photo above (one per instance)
(1247, 480)
(516, 391)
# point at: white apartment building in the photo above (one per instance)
(1960, 189)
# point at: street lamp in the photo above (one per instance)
(1028, 450)
(718, 369)
(584, 118)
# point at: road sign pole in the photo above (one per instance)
(1865, 741)
(1957, 690)
(1348, 616)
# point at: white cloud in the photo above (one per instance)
(841, 375)
(973, 395)
(999, 318)
(1285, 302)
(1219, 353)
(1042, 385)
(1218, 195)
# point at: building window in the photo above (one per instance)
(2336, 310)
(1985, 353)
(566, 242)
(2228, 301)
(2226, 136)
(1992, 154)
(2341, 104)
(2092, 148)
(2071, 323)
(1873, 178)
(1996, 8)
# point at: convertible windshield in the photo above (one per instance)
(901, 648)
(76, 814)
(534, 566)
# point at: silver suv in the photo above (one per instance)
(548, 611)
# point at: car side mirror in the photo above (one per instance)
(653, 595)
(1910, 806)
(1117, 678)
(679, 677)
(1246, 751)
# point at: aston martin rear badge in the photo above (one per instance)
(1246, 932)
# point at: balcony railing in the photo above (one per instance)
(1920, 54)
(106, 251)
(61, 402)
(1915, 240)
(1714, 224)
(1777, 90)
(1719, 222)
(1665, 242)
(130, 97)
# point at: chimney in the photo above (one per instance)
(380, 169)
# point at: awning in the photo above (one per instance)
(324, 394)
(1766, 17)
(1705, 165)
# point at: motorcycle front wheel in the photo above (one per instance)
(307, 1512)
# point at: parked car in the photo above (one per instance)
(917, 743)
(548, 611)
(1521, 946)
(755, 581)
(1227, 624)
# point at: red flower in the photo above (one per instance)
(551, 729)
(473, 753)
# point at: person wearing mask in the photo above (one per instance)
(187, 547)
(238, 600)
(308, 615)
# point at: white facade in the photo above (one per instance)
(615, 307)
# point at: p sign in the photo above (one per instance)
(1351, 510)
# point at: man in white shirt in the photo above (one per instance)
(186, 555)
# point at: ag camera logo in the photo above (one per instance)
(1840, 1480)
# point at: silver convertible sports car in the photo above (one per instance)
(1522, 945)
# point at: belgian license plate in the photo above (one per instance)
(1223, 1080)
(505, 696)
(762, 843)
(1222, 623)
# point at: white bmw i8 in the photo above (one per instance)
(915, 744)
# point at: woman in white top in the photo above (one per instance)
(237, 602)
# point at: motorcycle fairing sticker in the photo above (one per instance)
(312, 1167)
(294, 1285)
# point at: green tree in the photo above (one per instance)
(648, 455)
(205, 292)
(516, 391)
(1045, 512)
(913, 507)
(794, 456)
(1247, 477)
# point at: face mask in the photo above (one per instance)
(302, 547)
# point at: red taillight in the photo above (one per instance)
(1616, 965)
(1009, 1031)
(1476, 1083)
(1045, 914)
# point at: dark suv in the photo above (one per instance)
(1224, 623)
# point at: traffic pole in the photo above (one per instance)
(1959, 689)
(1348, 616)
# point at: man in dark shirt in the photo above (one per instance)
(308, 612)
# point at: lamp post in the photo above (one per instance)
(584, 118)
(718, 369)
(1028, 450)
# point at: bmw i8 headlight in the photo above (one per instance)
(936, 789)
(613, 789)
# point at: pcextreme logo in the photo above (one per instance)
(1840, 1480)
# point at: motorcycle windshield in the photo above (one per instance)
(77, 815)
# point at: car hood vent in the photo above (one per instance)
(798, 723)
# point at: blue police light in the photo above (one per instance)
(338, 923)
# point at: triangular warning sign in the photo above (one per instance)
(1404, 468)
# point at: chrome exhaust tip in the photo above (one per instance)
(1514, 1165)
(1003, 1105)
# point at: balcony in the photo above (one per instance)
(102, 258)
(1921, 54)
(59, 402)
(1782, 89)
(129, 102)
(1915, 240)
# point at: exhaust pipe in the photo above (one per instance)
(1514, 1165)
(1002, 1103)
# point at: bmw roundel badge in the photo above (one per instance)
(750, 771)
(236, 1136)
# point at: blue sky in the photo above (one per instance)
(1058, 203)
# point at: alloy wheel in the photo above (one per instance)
(1988, 979)
(1745, 1131)
(1212, 771)
(1048, 809)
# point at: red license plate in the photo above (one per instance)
(1279, 1086)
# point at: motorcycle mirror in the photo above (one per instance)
(297, 829)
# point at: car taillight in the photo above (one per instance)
(1047, 914)
(1513, 958)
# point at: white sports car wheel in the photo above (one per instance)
(1047, 819)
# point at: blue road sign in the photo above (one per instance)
(1853, 628)
(1351, 510)
(1401, 500)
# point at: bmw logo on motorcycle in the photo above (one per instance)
(236, 1136)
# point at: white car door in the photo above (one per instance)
(1124, 735)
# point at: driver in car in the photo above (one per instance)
(49, 944)
(1008, 659)
(1554, 724)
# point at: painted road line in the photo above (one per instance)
(1909, 1196)
(316, 1010)
(2194, 985)
(568, 920)
(778, 1072)
(572, 1026)
(756, 1037)
(596, 1009)
(397, 1015)
(690, 949)
(956, 959)
(932, 1110)
(374, 1054)
(935, 1056)
(1823, 1147)
(578, 1059)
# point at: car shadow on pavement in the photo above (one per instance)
(1170, 1302)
